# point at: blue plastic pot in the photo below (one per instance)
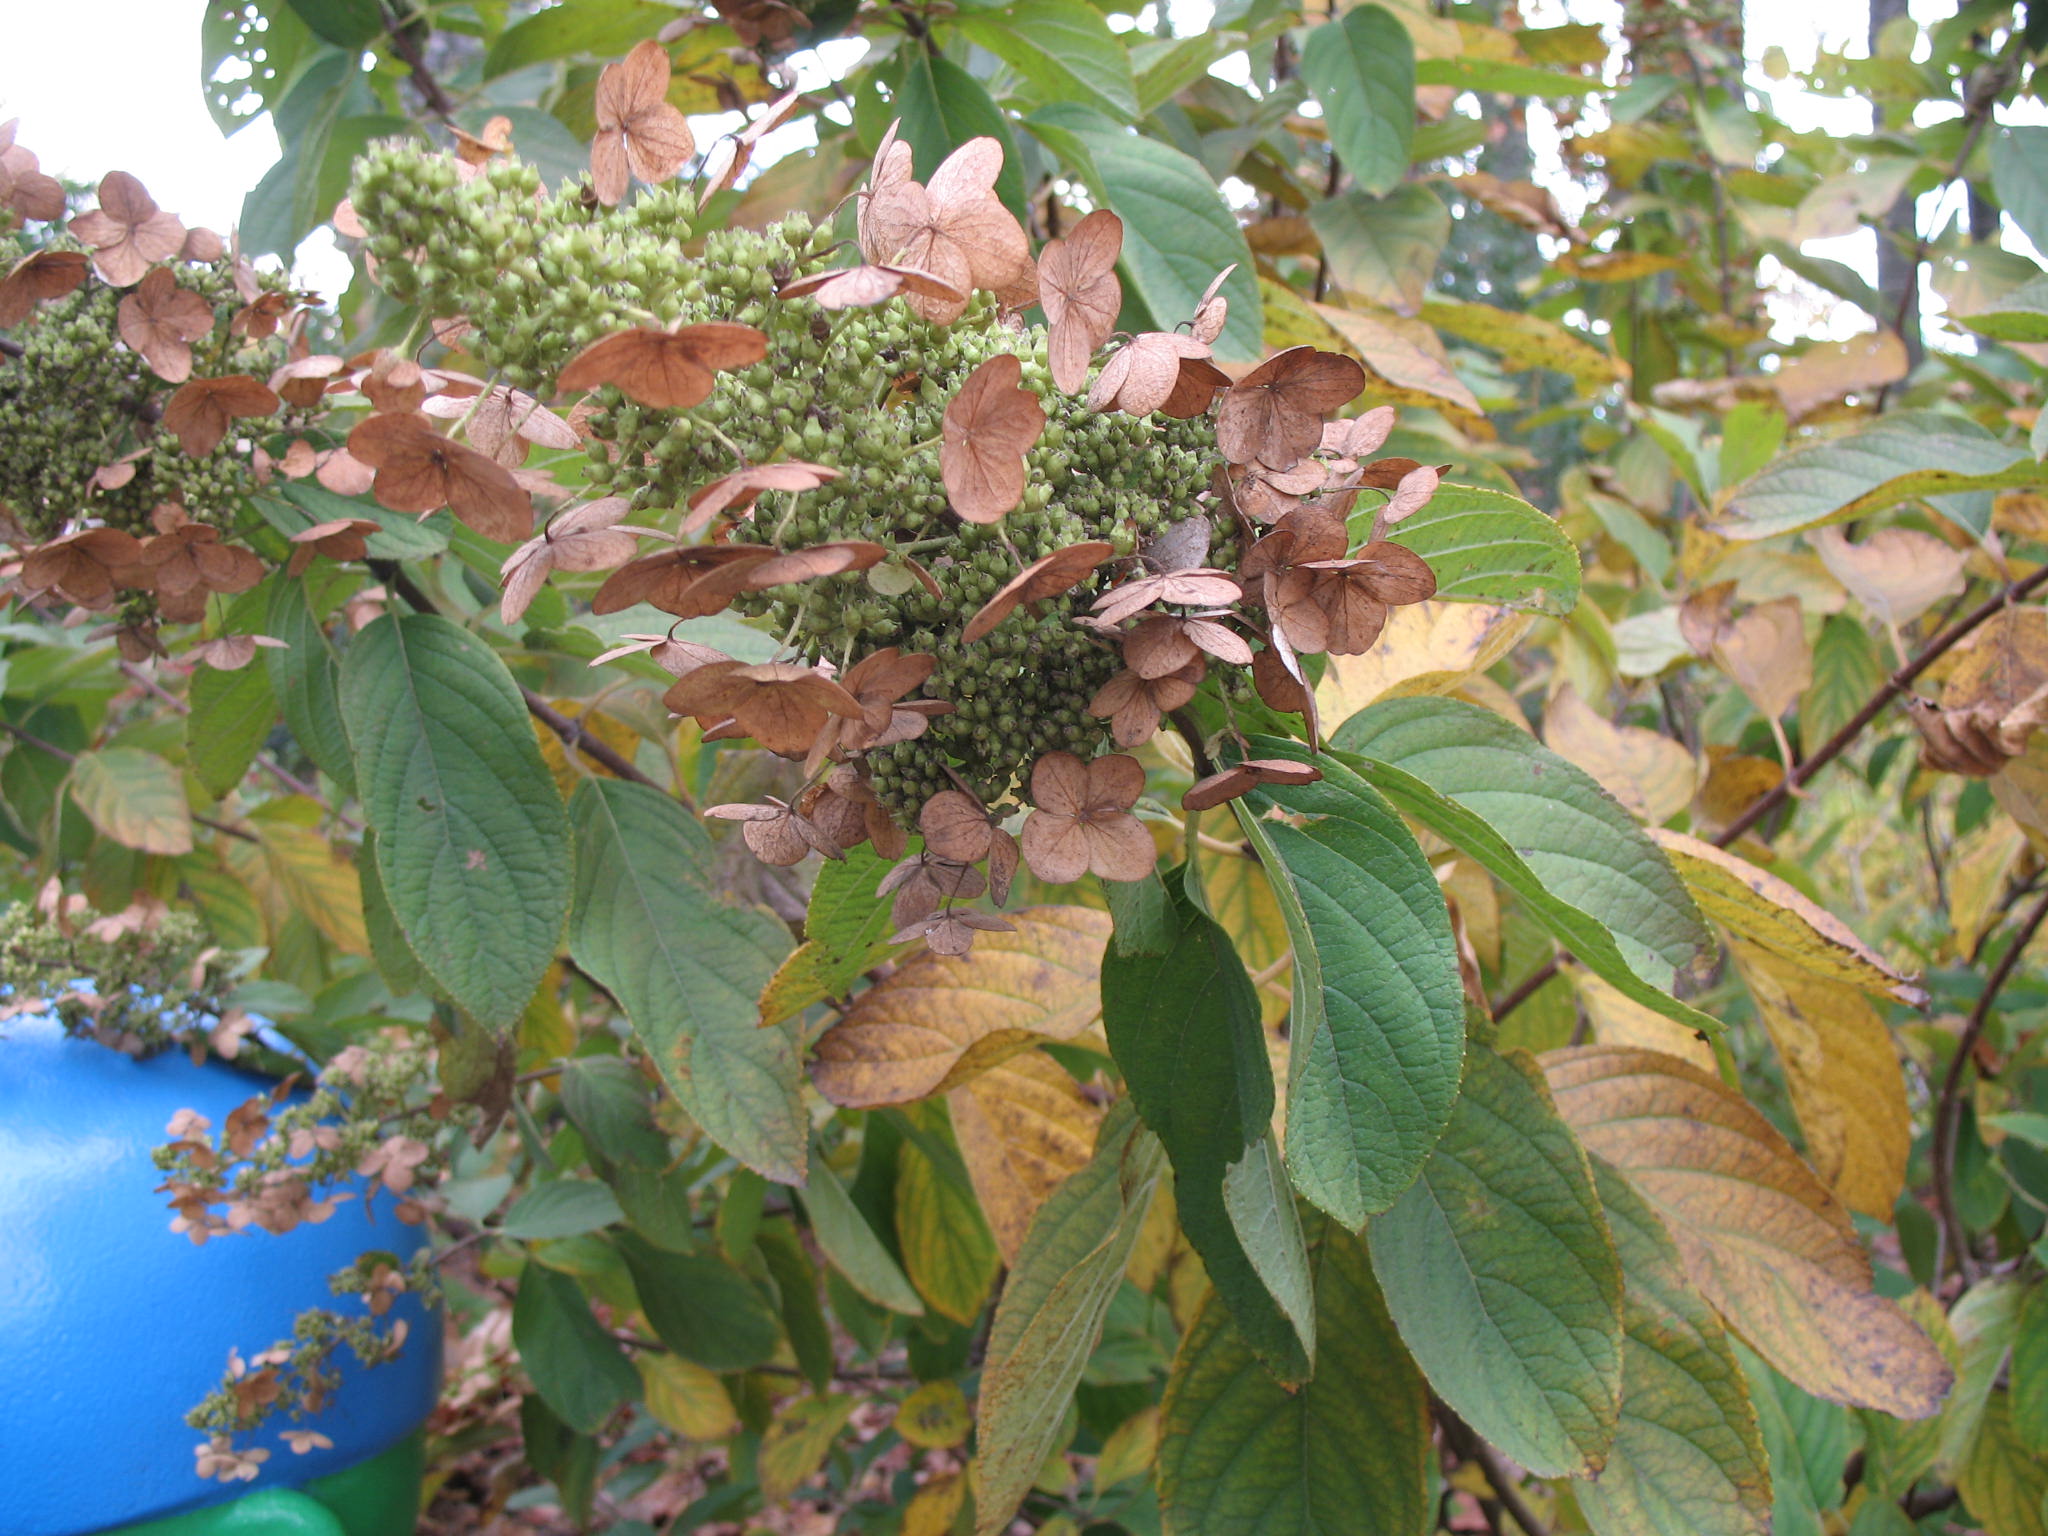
(112, 1325)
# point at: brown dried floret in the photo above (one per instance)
(420, 471)
(200, 412)
(128, 232)
(1079, 291)
(1274, 415)
(1082, 820)
(988, 428)
(638, 129)
(670, 370)
(1243, 777)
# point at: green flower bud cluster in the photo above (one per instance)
(77, 400)
(861, 391)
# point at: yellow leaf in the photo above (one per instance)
(1525, 340)
(938, 1021)
(1477, 902)
(1897, 573)
(934, 1507)
(1735, 781)
(1241, 900)
(935, 1416)
(546, 1032)
(1765, 651)
(1757, 906)
(294, 870)
(1130, 1449)
(2023, 514)
(1404, 356)
(2004, 1484)
(1426, 648)
(796, 1443)
(1844, 1076)
(1977, 878)
(1652, 775)
(1760, 1234)
(947, 1250)
(615, 734)
(1023, 1128)
(687, 1398)
(1829, 370)
(1620, 1020)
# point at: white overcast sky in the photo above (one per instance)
(114, 84)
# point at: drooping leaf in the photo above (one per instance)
(700, 1306)
(134, 797)
(1761, 1236)
(1526, 340)
(1384, 249)
(938, 1019)
(560, 1208)
(796, 1443)
(1024, 1127)
(1239, 1455)
(851, 1247)
(1361, 68)
(1064, 48)
(685, 1397)
(1052, 1309)
(1378, 1024)
(687, 965)
(231, 716)
(472, 843)
(1501, 1275)
(305, 674)
(576, 1365)
(947, 1249)
(1687, 1459)
(1184, 1029)
(1486, 546)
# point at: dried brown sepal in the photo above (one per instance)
(1245, 776)
(1145, 373)
(80, 567)
(160, 321)
(303, 381)
(36, 280)
(1979, 740)
(128, 233)
(420, 471)
(483, 148)
(1307, 533)
(1134, 705)
(1359, 437)
(1411, 495)
(1078, 288)
(922, 883)
(1340, 606)
(776, 833)
(344, 538)
(1274, 415)
(231, 653)
(585, 538)
(1201, 588)
(343, 473)
(1082, 820)
(261, 316)
(1267, 495)
(638, 129)
(665, 579)
(880, 682)
(24, 187)
(865, 285)
(956, 826)
(200, 412)
(1212, 309)
(1167, 643)
(988, 428)
(1277, 674)
(956, 229)
(1706, 616)
(952, 931)
(202, 244)
(670, 370)
(731, 155)
(1045, 577)
(676, 657)
(1002, 865)
(738, 491)
(781, 705)
(504, 423)
(809, 564)
(185, 562)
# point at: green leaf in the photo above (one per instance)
(1179, 233)
(2003, 1484)
(1486, 546)
(1384, 249)
(1378, 1023)
(401, 537)
(577, 1367)
(1239, 1455)
(1064, 48)
(597, 28)
(701, 1307)
(1688, 1459)
(1806, 1442)
(1184, 1029)
(396, 963)
(232, 713)
(2021, 315)
(2030, 1372)
(606, 1097)
(846, 934)
(2019, 178)
(850, 1245)
(1584, 849)
(305, 675)
(948, 1251)
(1052, 1310)
(1902, 457)
(1361, 68)
(561, 1208)
(1503, 77)
(345, 23)
(1847, 669)
(134, 797)
(687, 966)
(1500, 1273)
(472, 845)
(941, 107)
(796, 1285)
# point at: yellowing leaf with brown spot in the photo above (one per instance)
(1426, 648)
(948, 1251)
(1130, 1450)
(295, 871)
(1766, 652)
(687, 1398)
(1896, 573)
(1976, 879)
(934, 1507)
(1476, 900)
(1760, 1234)
(1735, 781)
(934, 1417)
(1620, 1020)
(937, 1021)
(1652, 775)
(1844, 1076)
(1023, 1127)
(1755, 905)
(614, 733)
(795, 1445)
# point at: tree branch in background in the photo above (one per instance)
(406, 43)
(1948, 1108)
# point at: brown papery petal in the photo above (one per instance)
(1212, 309)
(1078, 287)
(1045, 577)
(199, 414)
(809, 564)
(1145, 374)
(1275, 413)
(955, 826)
(159, 320)
(987, 429)
(37, 279)
(671, 370)
(420, 471)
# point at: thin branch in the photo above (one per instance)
(1948, 1109)
(9, 347)
(1469, 1446)
(405, 43)
(37, 743)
